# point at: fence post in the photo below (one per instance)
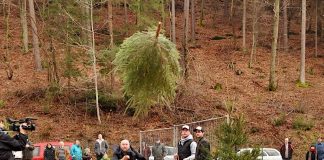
(174, 136)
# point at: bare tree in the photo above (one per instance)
(23, 20)
(244, 26)
(173, 21)
(126, 16)
(272, 80)
(36, 52)
(316, 22)
(285, 25)
(226, 13)
(94, 63)
(255, 31)
(303, 43)
(110, 18)
(202, 13)
(193, 23)
(185, 38)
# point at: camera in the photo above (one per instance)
(14, 125)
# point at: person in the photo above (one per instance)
(311, 154)
(146, 151)
(49, 152)
(101, 147)
(186, 146)
(320, 149)
(203, 146)
(87, 155)
(76, 151)
(158, 150)
(62, 153)
(126, 152)
(286, 150)
(28, 151)
(9, 144)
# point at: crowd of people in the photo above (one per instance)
(187, 148)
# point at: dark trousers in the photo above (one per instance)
(99, 157)
(286, 158)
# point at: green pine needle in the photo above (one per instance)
(149, 68)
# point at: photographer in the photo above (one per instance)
(8, 144)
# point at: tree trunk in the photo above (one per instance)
(232, 23)
(255, 32)
(272, 81)
(193, 23)
(285, 26)
(36, 52)
(244, 26)
(202, 13)
(163, 13)
(23, 20)
(226, 13)
(94, 64)
(126, 16)
(303, 44)
(185, 38)
(316, 22)
(5, 57)
(173, 22)
(110, 18)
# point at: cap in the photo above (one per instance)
(198, 128)
(185, 127)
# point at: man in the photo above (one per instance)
(286, 150)
(125, 152)
(186, 146)
(8, 144)
(320, 149)
(203, 146)
(158, 150)
(101, 147)
(76, 151)
(61, 152)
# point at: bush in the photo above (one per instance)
(301, 124)
(2, 103)
(279, 121)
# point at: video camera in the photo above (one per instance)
(14, 124)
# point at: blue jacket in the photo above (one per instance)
(320, 151)
(76, 152)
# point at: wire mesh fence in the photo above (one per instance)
(171, 136)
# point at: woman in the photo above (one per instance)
(49, 152)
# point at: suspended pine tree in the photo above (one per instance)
(148, 64)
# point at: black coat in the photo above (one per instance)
(134, 155)
(8, 144)
(311, 155)
(49, 153)
(203, 150)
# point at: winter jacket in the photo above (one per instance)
(76, 152)
(101, 147)
(187, 148)
(49, 153)
(203, 150)
(62, 153)
(310, 155)
(8, 144)
(320, 151)
(158, 151)
(283, 149)
(134, 155)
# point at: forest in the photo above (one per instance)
(118, 67)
